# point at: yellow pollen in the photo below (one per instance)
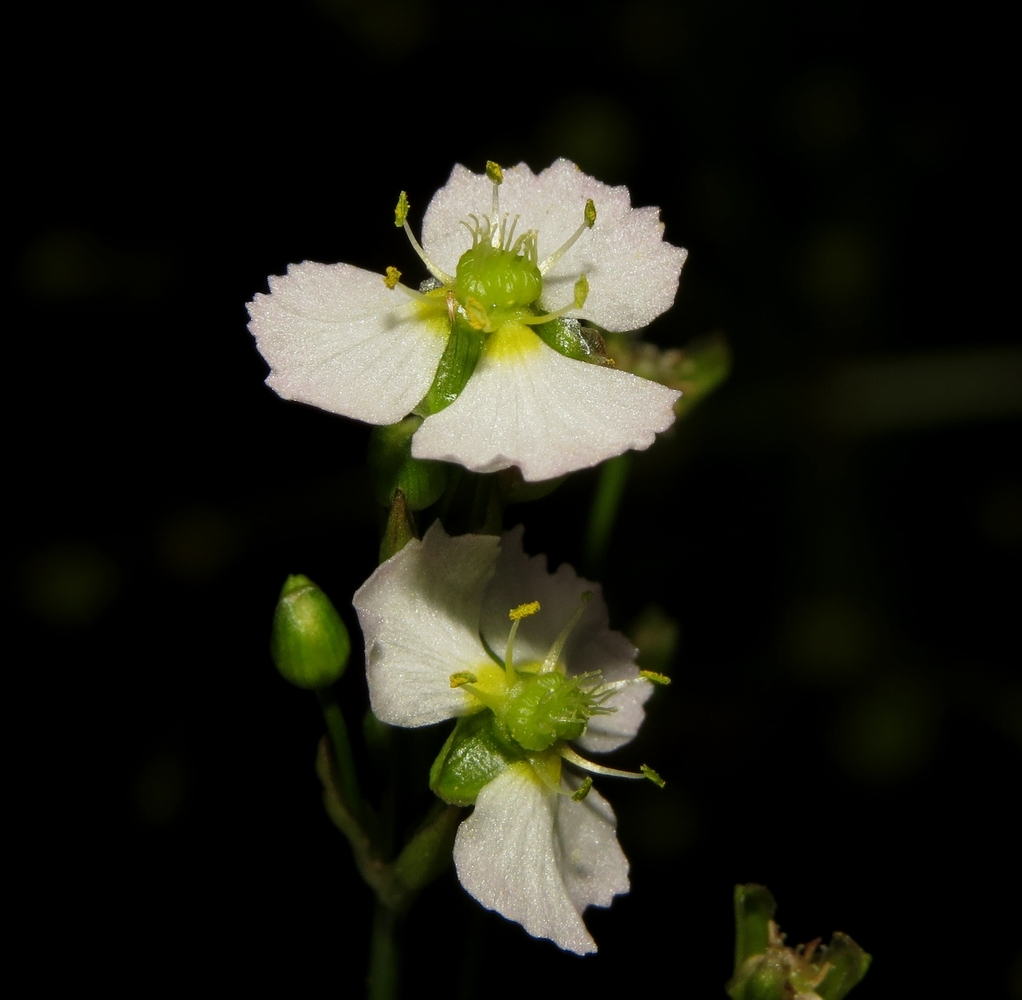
(401, 211)
(392, 277)
(493, 171)
(462, 678)
(523, 611)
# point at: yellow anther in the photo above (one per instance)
(648, 772)
(583, 790)
(523, 611)
(401, 211)
(654, 678)
(590, 213)
(476, 314)
(462, 678)
(494, 172)
(581, 291)
(392, 277)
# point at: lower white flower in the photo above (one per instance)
(539, 846)
(490, 351)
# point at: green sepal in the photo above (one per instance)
(474, 754)
(309, 643)
(399, 530)
(755, 907)
(569, 337)
(392, 467)
(459, 360)
(849, 963)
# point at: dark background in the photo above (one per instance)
(836, 532)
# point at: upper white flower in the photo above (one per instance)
(436, 618)
(364, 346)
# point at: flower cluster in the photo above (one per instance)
(539, 846)
(491, 350)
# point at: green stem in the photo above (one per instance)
(606, 503)
(384, 955)
(344, 762)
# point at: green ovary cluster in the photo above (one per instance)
(544, 708)
(497, 281)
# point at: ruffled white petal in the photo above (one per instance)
(336, 337)
(539, 858)
(592, 645)
(545, 413)
(419, 613)
(633, 274)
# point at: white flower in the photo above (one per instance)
(435, 618)
(364, 346)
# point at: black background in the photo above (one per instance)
(836, 532)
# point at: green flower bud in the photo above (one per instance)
(310, 643)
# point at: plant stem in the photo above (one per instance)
(341, 746)
(603, 513)
(384, 955)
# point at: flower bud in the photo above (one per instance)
(310, 643)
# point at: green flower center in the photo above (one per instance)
(536, 704)
(543, 708)
(499, 280)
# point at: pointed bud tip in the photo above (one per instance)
(309, 643)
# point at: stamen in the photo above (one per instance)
(588, 223)
(648, 772)
(476, 314)
(523, 611)
(516, 615)
(463, 677)
(401, 221)
(494, 172)
(587, 765)
(392, 277)
(496, 176)
(654, 678)
(581, 291)
(583, 790)
(555, 650)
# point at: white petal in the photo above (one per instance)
(539, 858)
(633, 274)
(592, 645)
(529, 406)
(336, 337)
(419, 614)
